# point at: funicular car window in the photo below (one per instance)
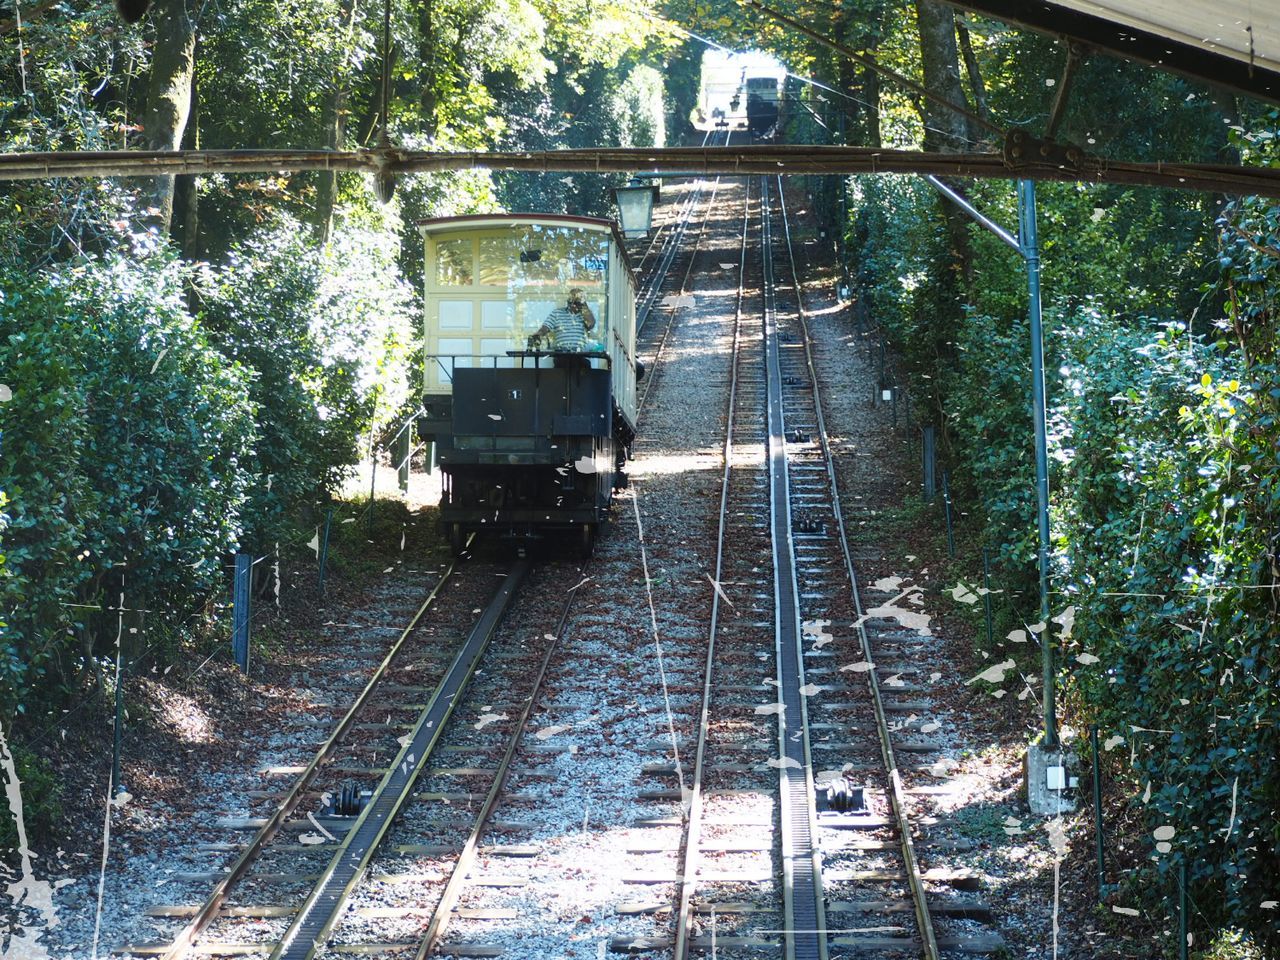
(453, 263)
(536, 266)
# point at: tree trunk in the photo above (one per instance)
(186, 192)
(945, 130)
(971, 68)
(335, 128)
(427, 57)
(168, 100)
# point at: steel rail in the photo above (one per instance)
(923, 920)
(684, 286)
(458, 877)
(693, 832)
(653, 279)
(766, 159)
(315, 919)
(686, 208)
(213, 903)
(676, 239)
(805, 934)
(653, 241)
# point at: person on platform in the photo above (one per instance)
(567, 328)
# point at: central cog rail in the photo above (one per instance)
(778, 467)
(801, 864)
(318, 913)
(310, 928)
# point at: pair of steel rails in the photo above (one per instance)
(805, 932)
(314, 921)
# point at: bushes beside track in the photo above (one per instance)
(161, 417)
(1164, 476)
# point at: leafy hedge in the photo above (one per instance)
(1165, 481)
(123, 444)
(325, 333)
(143, 444)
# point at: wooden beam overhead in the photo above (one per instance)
(764, 159)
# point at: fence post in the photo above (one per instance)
(1182, 908)
(403, 449)
(1097, 810)
(373, 483)
(117, 734)
(241, 599)
(946, 506)
(927, 456)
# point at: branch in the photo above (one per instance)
(1259, 247)
(872, 64)
(971, 68)
(8, 26)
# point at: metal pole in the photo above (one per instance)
(1097, 809)
(373, 484)
(404, 444)
(240, 610)
(1182, 908)
(118, 733)
(1031, 251)
(117, 736)
(946, 506)
(927, 457)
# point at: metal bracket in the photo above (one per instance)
(1022, 149)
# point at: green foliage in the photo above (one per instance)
(325, 332)
(599, 106)
(123, 442)
(41, 799)
(1163, 437)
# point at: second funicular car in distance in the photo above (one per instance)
(530, 372)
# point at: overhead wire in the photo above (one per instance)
(872, 64)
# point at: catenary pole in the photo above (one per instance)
(1029, 241)
(1028, 245)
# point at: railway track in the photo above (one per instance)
(799, 833)
(416, 832)
(657, 244)
(845, 875)
(782, 806)
(346, 812)
(667, 243)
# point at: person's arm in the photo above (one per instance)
(542, 333)
(589, 321)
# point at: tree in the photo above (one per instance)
(169, 94)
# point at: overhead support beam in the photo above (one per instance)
(1202, 64)
(727, 161)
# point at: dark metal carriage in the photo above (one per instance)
(528, 438)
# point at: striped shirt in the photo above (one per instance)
(567, 329)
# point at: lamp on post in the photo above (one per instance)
(635, 208)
